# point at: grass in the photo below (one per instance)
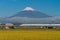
(28, 34)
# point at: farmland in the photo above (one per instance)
(23, 34)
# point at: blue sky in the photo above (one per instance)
(11, 7)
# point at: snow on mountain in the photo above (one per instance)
(28, 9)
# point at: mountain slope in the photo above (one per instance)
(30, 13)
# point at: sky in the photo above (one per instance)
(11, 7)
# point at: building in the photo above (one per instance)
(8, 25)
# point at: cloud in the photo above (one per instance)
(33, 20)
(27, 20)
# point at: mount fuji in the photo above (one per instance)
(31, 13)
(31, 16)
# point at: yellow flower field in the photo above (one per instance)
(29, 35)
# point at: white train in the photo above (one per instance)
(40, 25)
(50, 26)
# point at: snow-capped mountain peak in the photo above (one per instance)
(28, 9)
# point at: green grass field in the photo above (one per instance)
(29, 34)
